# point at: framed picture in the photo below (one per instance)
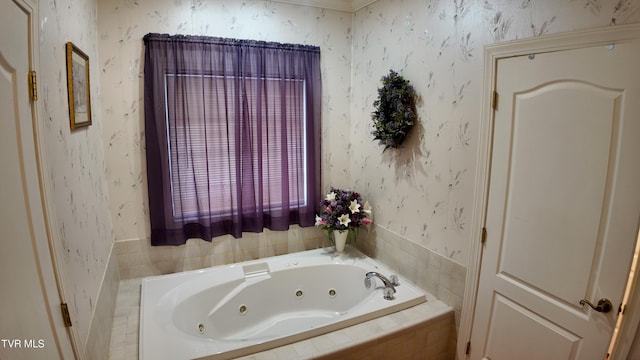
(78, 87)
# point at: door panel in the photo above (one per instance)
(563, 206)
(566, 199)
(24, 313)
(29, 311)
(505, 343)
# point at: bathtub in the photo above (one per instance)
(229, 311)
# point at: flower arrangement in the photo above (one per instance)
(395, 111)
(343, 210)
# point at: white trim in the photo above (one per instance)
(67, 344)
(340, 5)
(626, 346)
(492, 53)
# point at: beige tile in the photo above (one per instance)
(265, 355)
(304, 348)
(386, 323)
(286, 353)
(131, 351)
(322, 342)
(370, 335)
(116, 353)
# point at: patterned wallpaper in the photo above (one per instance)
(123, 23)
(75, 160)
(423, 192)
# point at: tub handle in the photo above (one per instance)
(388, 293)
(394, 280)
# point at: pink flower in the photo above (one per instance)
(366, 221)
(320, 221)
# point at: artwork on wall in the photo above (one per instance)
(78, 87)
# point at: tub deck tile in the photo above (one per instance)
(404, 334)
(412, 331)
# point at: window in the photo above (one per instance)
(203, 135)
(232, 135)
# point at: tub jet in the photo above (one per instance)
(243, 309)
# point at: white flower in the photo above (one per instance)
(344, 219)
(354, 207)
(367, 208)
(331, 196)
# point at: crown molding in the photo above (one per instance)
(340, 5)
(359, 4)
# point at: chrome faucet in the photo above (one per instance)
(389, 288)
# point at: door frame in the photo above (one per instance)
(493, 53)
(45, 253)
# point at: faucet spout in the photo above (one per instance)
(388, 294)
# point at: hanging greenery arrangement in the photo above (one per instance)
(395, 111)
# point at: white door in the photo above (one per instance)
(564, 203)
(30, 320)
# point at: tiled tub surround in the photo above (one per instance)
(137, 258)
(101, 324)
(256, 305)
(423, 331)
(430, 271)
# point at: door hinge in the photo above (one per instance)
(494, 100)
(65, 314)
(484, 235)
(468, 350)
(33, 85)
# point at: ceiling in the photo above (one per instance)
(342, 5)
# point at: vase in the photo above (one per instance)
(340, 238)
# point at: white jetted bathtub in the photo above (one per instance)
(229, 311)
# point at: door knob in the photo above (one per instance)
(604, 305)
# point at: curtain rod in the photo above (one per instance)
(226, 41)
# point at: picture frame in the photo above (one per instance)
(78, 87)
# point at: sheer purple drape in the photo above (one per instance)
(232, 136)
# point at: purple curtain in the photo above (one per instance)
(232, 136)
